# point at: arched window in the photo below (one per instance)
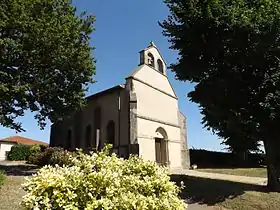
(110, 131)
(97, 126)
(151, 60)
(160, 66)
(88, 136)
(69, 139)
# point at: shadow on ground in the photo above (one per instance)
(211, 191)
(230, 167)
(18, 170)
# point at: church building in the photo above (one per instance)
(139, 117)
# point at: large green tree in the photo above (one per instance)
(241, 145)
(45, 59)
(237, 138)
(231, 51)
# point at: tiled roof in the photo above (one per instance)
(22, 140)
(109, 90)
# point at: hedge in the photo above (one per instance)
(19, 152)
(212, 159)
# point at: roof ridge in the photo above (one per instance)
(22, 140)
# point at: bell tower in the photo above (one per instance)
(151, 57)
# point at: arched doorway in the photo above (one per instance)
(161, 147)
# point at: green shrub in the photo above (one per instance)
(59, 156)
(36, 158)
(2, 178)
(102, 181)
(50, 156)
(35, 148)
(43, 147)
(19, 152)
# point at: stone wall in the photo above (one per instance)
(114, 107)
(185, 156)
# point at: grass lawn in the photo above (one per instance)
(217, 193)
(251, 200)
(254, 172)
(228, 195)
(2, 178)
(11, 193)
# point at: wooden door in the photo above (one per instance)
(158, 151)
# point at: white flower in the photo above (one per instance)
(100, 181)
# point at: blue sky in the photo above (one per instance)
(123, 28)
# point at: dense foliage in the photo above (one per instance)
(102, 181)
(50, 156)
(19, 152)
(240, 146)
(45, 59)
(230, 50)
(35, 148)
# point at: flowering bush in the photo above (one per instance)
(102, 181)
(50, 156)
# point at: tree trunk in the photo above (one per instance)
(242, 158)
(273, 165)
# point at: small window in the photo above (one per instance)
(151, 60)
(160, 66)
(110, 130)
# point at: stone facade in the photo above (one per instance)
(140, 117)
(185, 158)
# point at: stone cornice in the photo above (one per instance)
(139, 80)
(152, 138)
(158, 121)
